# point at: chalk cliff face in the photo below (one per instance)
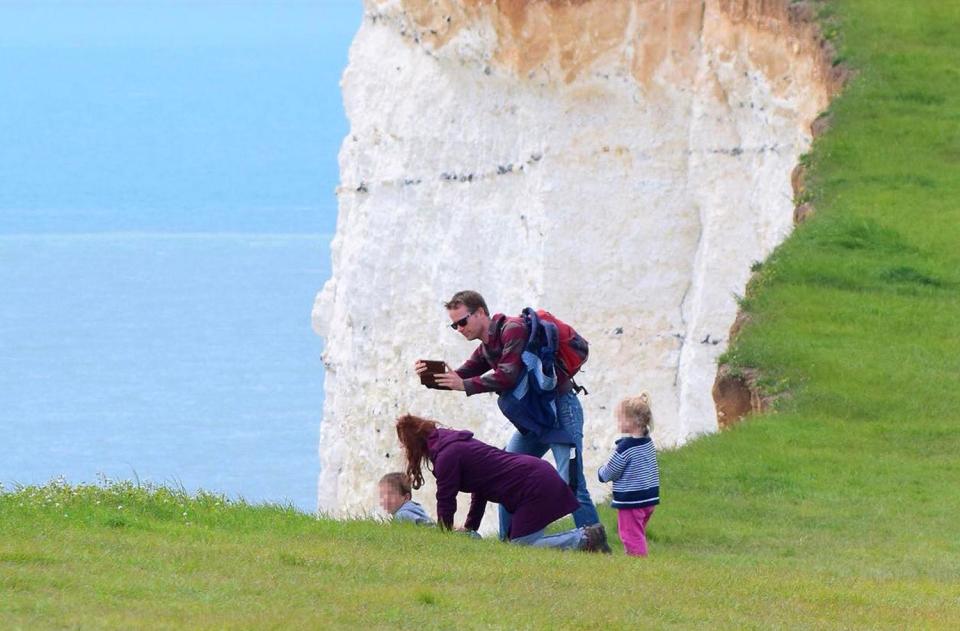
(618, 162)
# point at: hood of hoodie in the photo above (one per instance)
(443, 437)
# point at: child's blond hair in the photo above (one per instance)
(400, 482)
(637, 409)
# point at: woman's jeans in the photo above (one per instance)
(570, 418)
(569, 540)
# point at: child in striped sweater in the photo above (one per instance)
(633, 470)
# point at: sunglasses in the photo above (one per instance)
(462, 322)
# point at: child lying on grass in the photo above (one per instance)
(396, 498)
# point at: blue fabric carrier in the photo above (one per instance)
(532, 403)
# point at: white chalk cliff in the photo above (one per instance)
(621, 163)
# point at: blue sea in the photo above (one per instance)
(166, 208)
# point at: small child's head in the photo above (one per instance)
(394, 491)
(634, 416)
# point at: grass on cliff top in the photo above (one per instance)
(122, 556)
(838, 511)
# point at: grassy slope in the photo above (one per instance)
(838, 511)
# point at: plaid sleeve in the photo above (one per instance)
(476, 365)
(509, 368)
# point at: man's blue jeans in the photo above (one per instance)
(570, 418)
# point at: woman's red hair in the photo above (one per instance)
(413, 432)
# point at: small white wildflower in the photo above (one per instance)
(119, 506)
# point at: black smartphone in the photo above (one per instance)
(429, 376)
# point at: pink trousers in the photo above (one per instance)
(632, 526)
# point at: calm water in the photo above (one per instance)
(166, 177)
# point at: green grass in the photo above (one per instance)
(749, 551)
(839, 510)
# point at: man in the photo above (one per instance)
(495, 366)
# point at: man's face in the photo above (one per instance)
(472, 325)
(390, 498)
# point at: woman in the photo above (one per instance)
(527, 487)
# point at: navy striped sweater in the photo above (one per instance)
(634, 472)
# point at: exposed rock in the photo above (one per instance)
(820, 125)
(735, 395)
(802, 212)
(797, 180)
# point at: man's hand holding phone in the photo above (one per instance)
(450, 380)
(437, 375)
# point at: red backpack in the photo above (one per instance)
(573, 349)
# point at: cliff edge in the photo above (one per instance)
(621, 163)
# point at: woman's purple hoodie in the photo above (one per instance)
(528, 487)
